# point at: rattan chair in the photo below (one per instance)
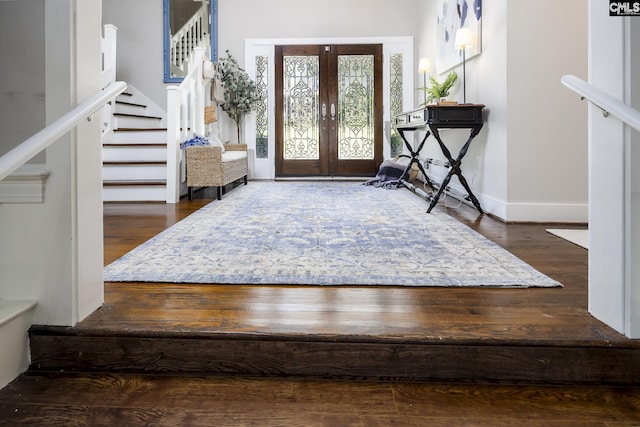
(208, 166)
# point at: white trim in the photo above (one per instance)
(265, 168)
(25, 185)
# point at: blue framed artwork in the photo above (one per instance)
(178, 13)
(453, 15)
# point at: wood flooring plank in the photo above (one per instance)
(159, 400)
(76, 416)
(544, 403)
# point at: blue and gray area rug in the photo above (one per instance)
(323, 233)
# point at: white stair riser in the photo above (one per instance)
(133, 172)
(152, 193)
(137, 137)
(131, 154)
(135, 122)
(130, 109)
(15, 319)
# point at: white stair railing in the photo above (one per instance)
(605, 102)
(192, 35)
(185, 117)
(18, 156)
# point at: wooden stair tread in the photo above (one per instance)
(129, 182)
(136, 162)
(142, 116)
(133, 104)
(140, 129)
(134, 144)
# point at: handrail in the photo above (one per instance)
(47, 136)
(605, 102)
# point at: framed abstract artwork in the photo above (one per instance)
(453, 15)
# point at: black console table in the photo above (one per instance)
(436, 117)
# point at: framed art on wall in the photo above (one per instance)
(452, 15)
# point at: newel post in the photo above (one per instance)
(198, 105)
(173, 144)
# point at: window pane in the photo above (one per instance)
(396, 101)
(262, 118)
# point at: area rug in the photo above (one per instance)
(575, 236)
(323, 233)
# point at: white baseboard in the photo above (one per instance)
(529, 212)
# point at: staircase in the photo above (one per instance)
(134, 163)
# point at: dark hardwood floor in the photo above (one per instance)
(315, 325)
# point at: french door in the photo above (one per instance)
(328, 110)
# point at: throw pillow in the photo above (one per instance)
(215, 141)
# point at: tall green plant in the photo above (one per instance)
(241, 93)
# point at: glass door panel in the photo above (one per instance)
(301, 106)
(356, 114)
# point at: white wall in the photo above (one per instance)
(22, 111)
(139, 46)
(277, 19)
(547, 126)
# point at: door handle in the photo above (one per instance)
(333, 111)
(324, 111)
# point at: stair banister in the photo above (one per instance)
(109, 54)
(605, 102)
(185, 117)
(21, 154)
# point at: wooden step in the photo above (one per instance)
(135, 145)
(319, 356)
(141, 116)
(134, 183)
(134, 163)
(141, 129)
(132, 104)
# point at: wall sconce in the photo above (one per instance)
(464, 39)
(424, 67)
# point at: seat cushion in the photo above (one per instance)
(229, 156)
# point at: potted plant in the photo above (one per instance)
(240, 92)
(437, 90)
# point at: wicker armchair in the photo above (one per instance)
(208, 166)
